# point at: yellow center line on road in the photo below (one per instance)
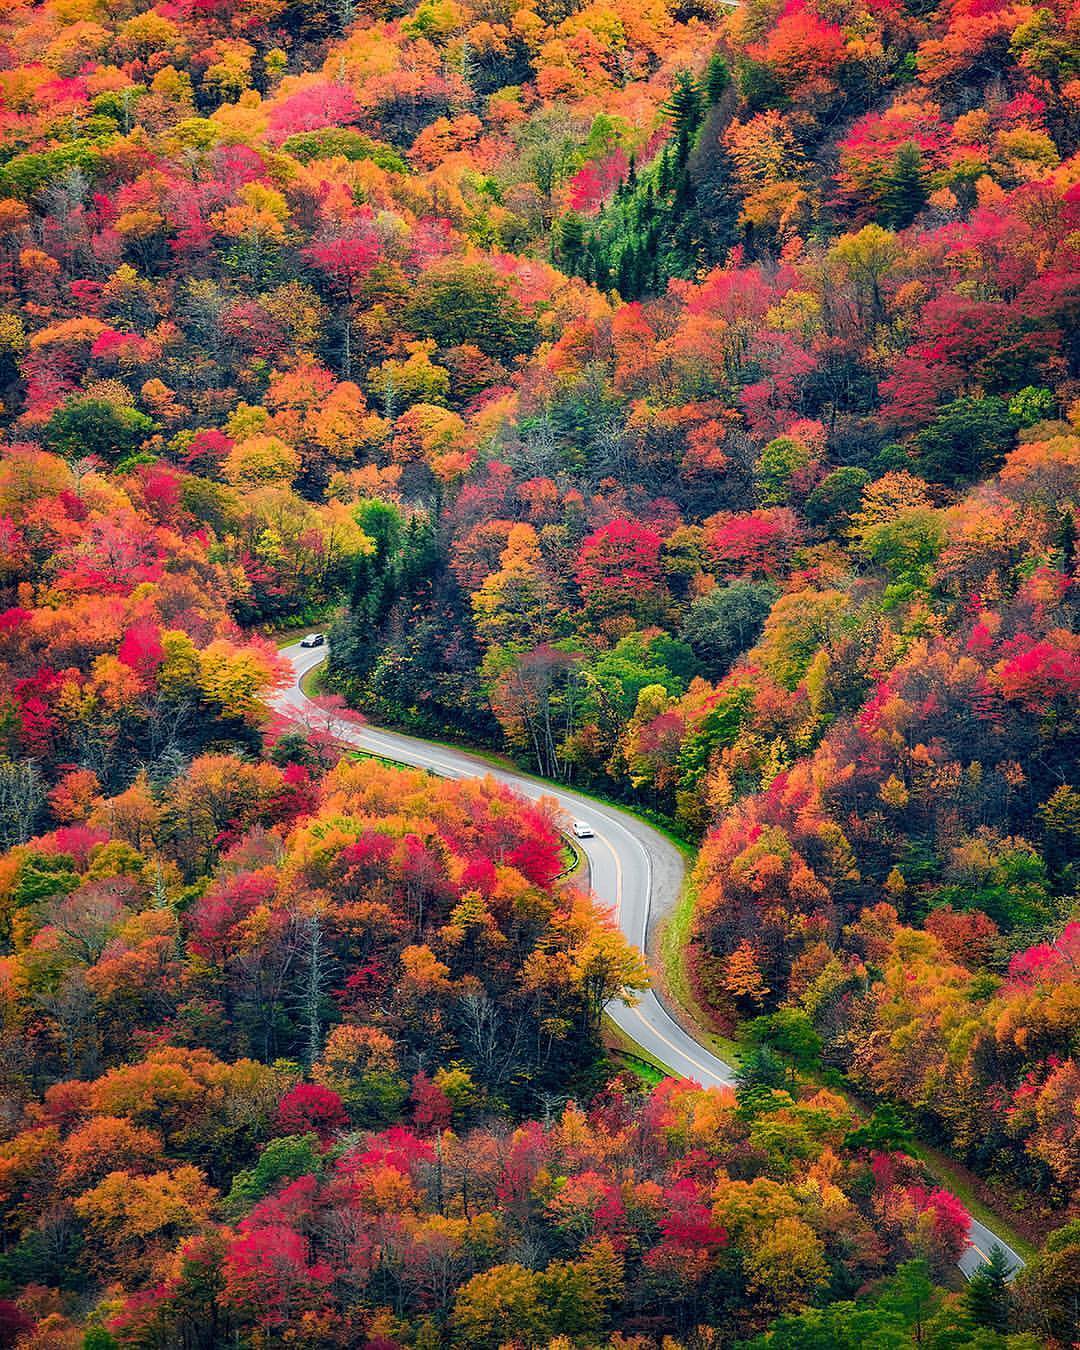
(603, 839)
(635, 1009)
(672, 1046)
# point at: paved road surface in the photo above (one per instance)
(634, 869)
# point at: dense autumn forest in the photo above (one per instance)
(680, 399)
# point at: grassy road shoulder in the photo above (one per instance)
(671, 964)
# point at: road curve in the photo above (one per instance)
(634, 870)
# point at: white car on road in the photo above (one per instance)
(313, 640)
(583, 830)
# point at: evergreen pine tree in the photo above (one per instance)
(682, 149)
(759, 1069)
(687, 230)
(717, 78)
(904, 191)
(641, 272)
(625, 279)
(987, 1296)
(717, 200)
(571, 239)
(684, 199)
(601, 270)
(684, 106)
(663, 175)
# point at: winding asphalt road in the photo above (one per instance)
(634, 869)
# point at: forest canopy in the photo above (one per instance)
(680, 398)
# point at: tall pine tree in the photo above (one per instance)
(904, 191)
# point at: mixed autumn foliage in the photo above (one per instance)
(683, 398)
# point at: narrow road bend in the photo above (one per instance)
(635, 871)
